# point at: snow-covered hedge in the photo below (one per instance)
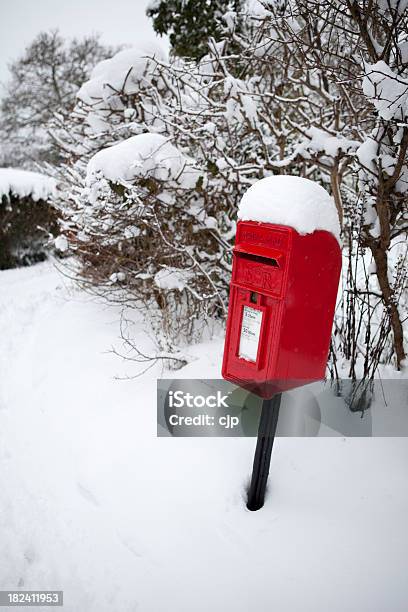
(27, 217)
(162, 150)
(19, 184)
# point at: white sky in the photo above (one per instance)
(118, 21)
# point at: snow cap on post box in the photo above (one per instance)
(285, 275)
(293, 201)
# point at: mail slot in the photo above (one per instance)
(282, 300)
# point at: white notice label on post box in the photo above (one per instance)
(250, 332)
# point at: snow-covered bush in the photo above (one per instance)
(134, 215)
(301, 88)
(137, 209)
(27, 217)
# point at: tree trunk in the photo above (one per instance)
(381, 262)
(334, 180)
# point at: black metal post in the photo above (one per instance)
(262, 459)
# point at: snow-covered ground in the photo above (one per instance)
(92, 502)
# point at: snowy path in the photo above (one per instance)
(94, 504)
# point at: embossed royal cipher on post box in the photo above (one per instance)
(282, 300)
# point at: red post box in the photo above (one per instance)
(282, 300)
